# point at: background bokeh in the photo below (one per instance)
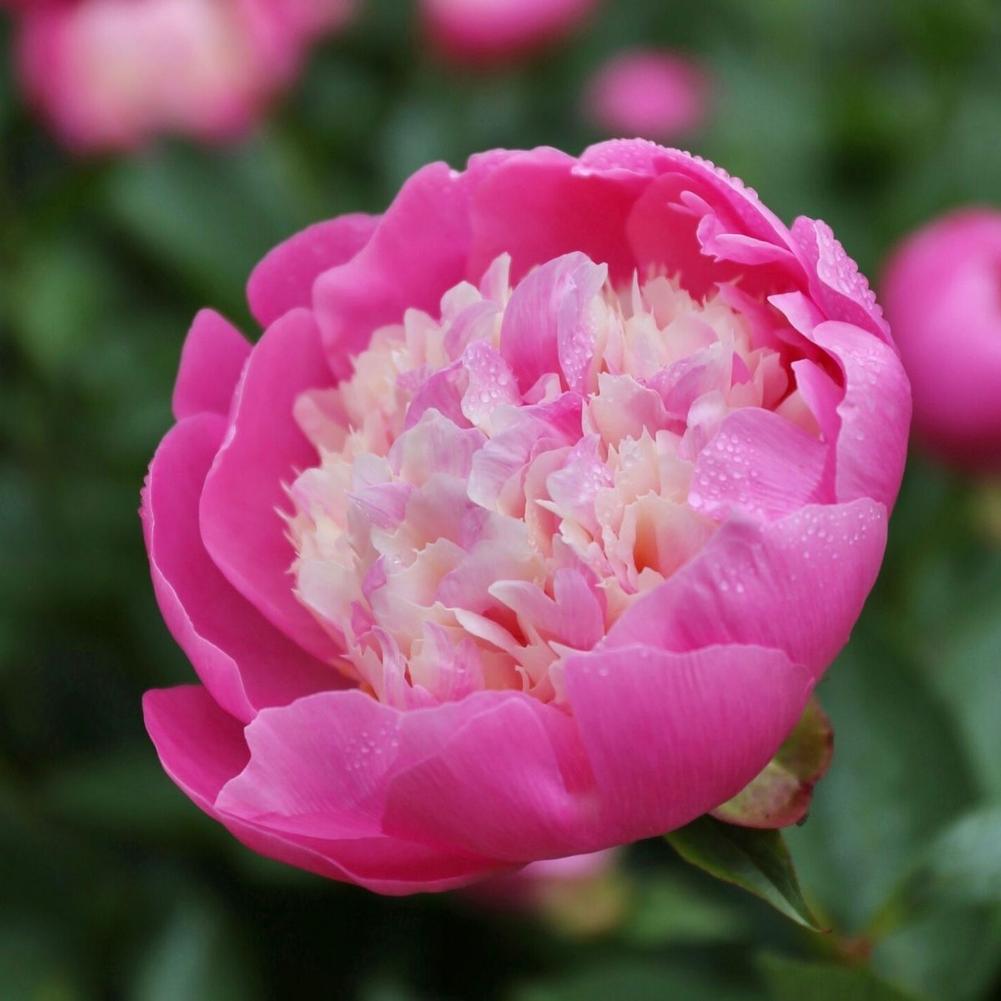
(873, 116)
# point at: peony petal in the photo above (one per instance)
(574, 487)
(797, 584)
(355, 733)
(499, 774)
(201, 749)
(836, 285)
(574, 619)
(200, 746)
(800, 311)
(875, 413)
(491, 383)
(537, 206)
(244, 662)
(739, 248)
(339, 809)
(548, 320)
(507, 454)
(664, 234)
(718, 713)
(417, 251)
(284, 278)
(621, 157)
(244, 490)
(872, 420)
(759, 463)
(212, 358)
(434, 445)
(443, 392)
(822, 396)
(675, 185)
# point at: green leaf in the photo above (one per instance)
(795, 980)
(780, 795)
(757, 861)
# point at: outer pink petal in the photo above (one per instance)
(672, 735)
(244, 662)
(682, 225)
(692, 218)
(498, 774)
(417, 251)
(638, 157)
(201, 749)
(538, 205)
(244, 491)
(200, 746)
(284, 278)
(341, 766)
(759, 463)
(491, 777)
(366, 746)
(212, 358)
(835, 282)
(871, 421)
(875, 413)
(357, 738)
(797, 585)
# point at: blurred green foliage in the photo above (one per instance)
(872, 115)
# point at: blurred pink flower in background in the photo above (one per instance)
(494, 30)
(110, 74)
(528, 887)
(943, 298)
(580, 896)
(530, 523)
(650, 93)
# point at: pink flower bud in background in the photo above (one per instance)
(650, 93)
(495, 30)
(529, 524)
(943, 298)
(111, 74)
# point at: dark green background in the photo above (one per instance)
(872, 114)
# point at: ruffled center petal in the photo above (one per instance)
(499, 484)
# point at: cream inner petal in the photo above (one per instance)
(464, 531)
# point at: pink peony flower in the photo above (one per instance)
(649, 93)
(479, 30)
(529, 524)
(110, 74)
(943, 294)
